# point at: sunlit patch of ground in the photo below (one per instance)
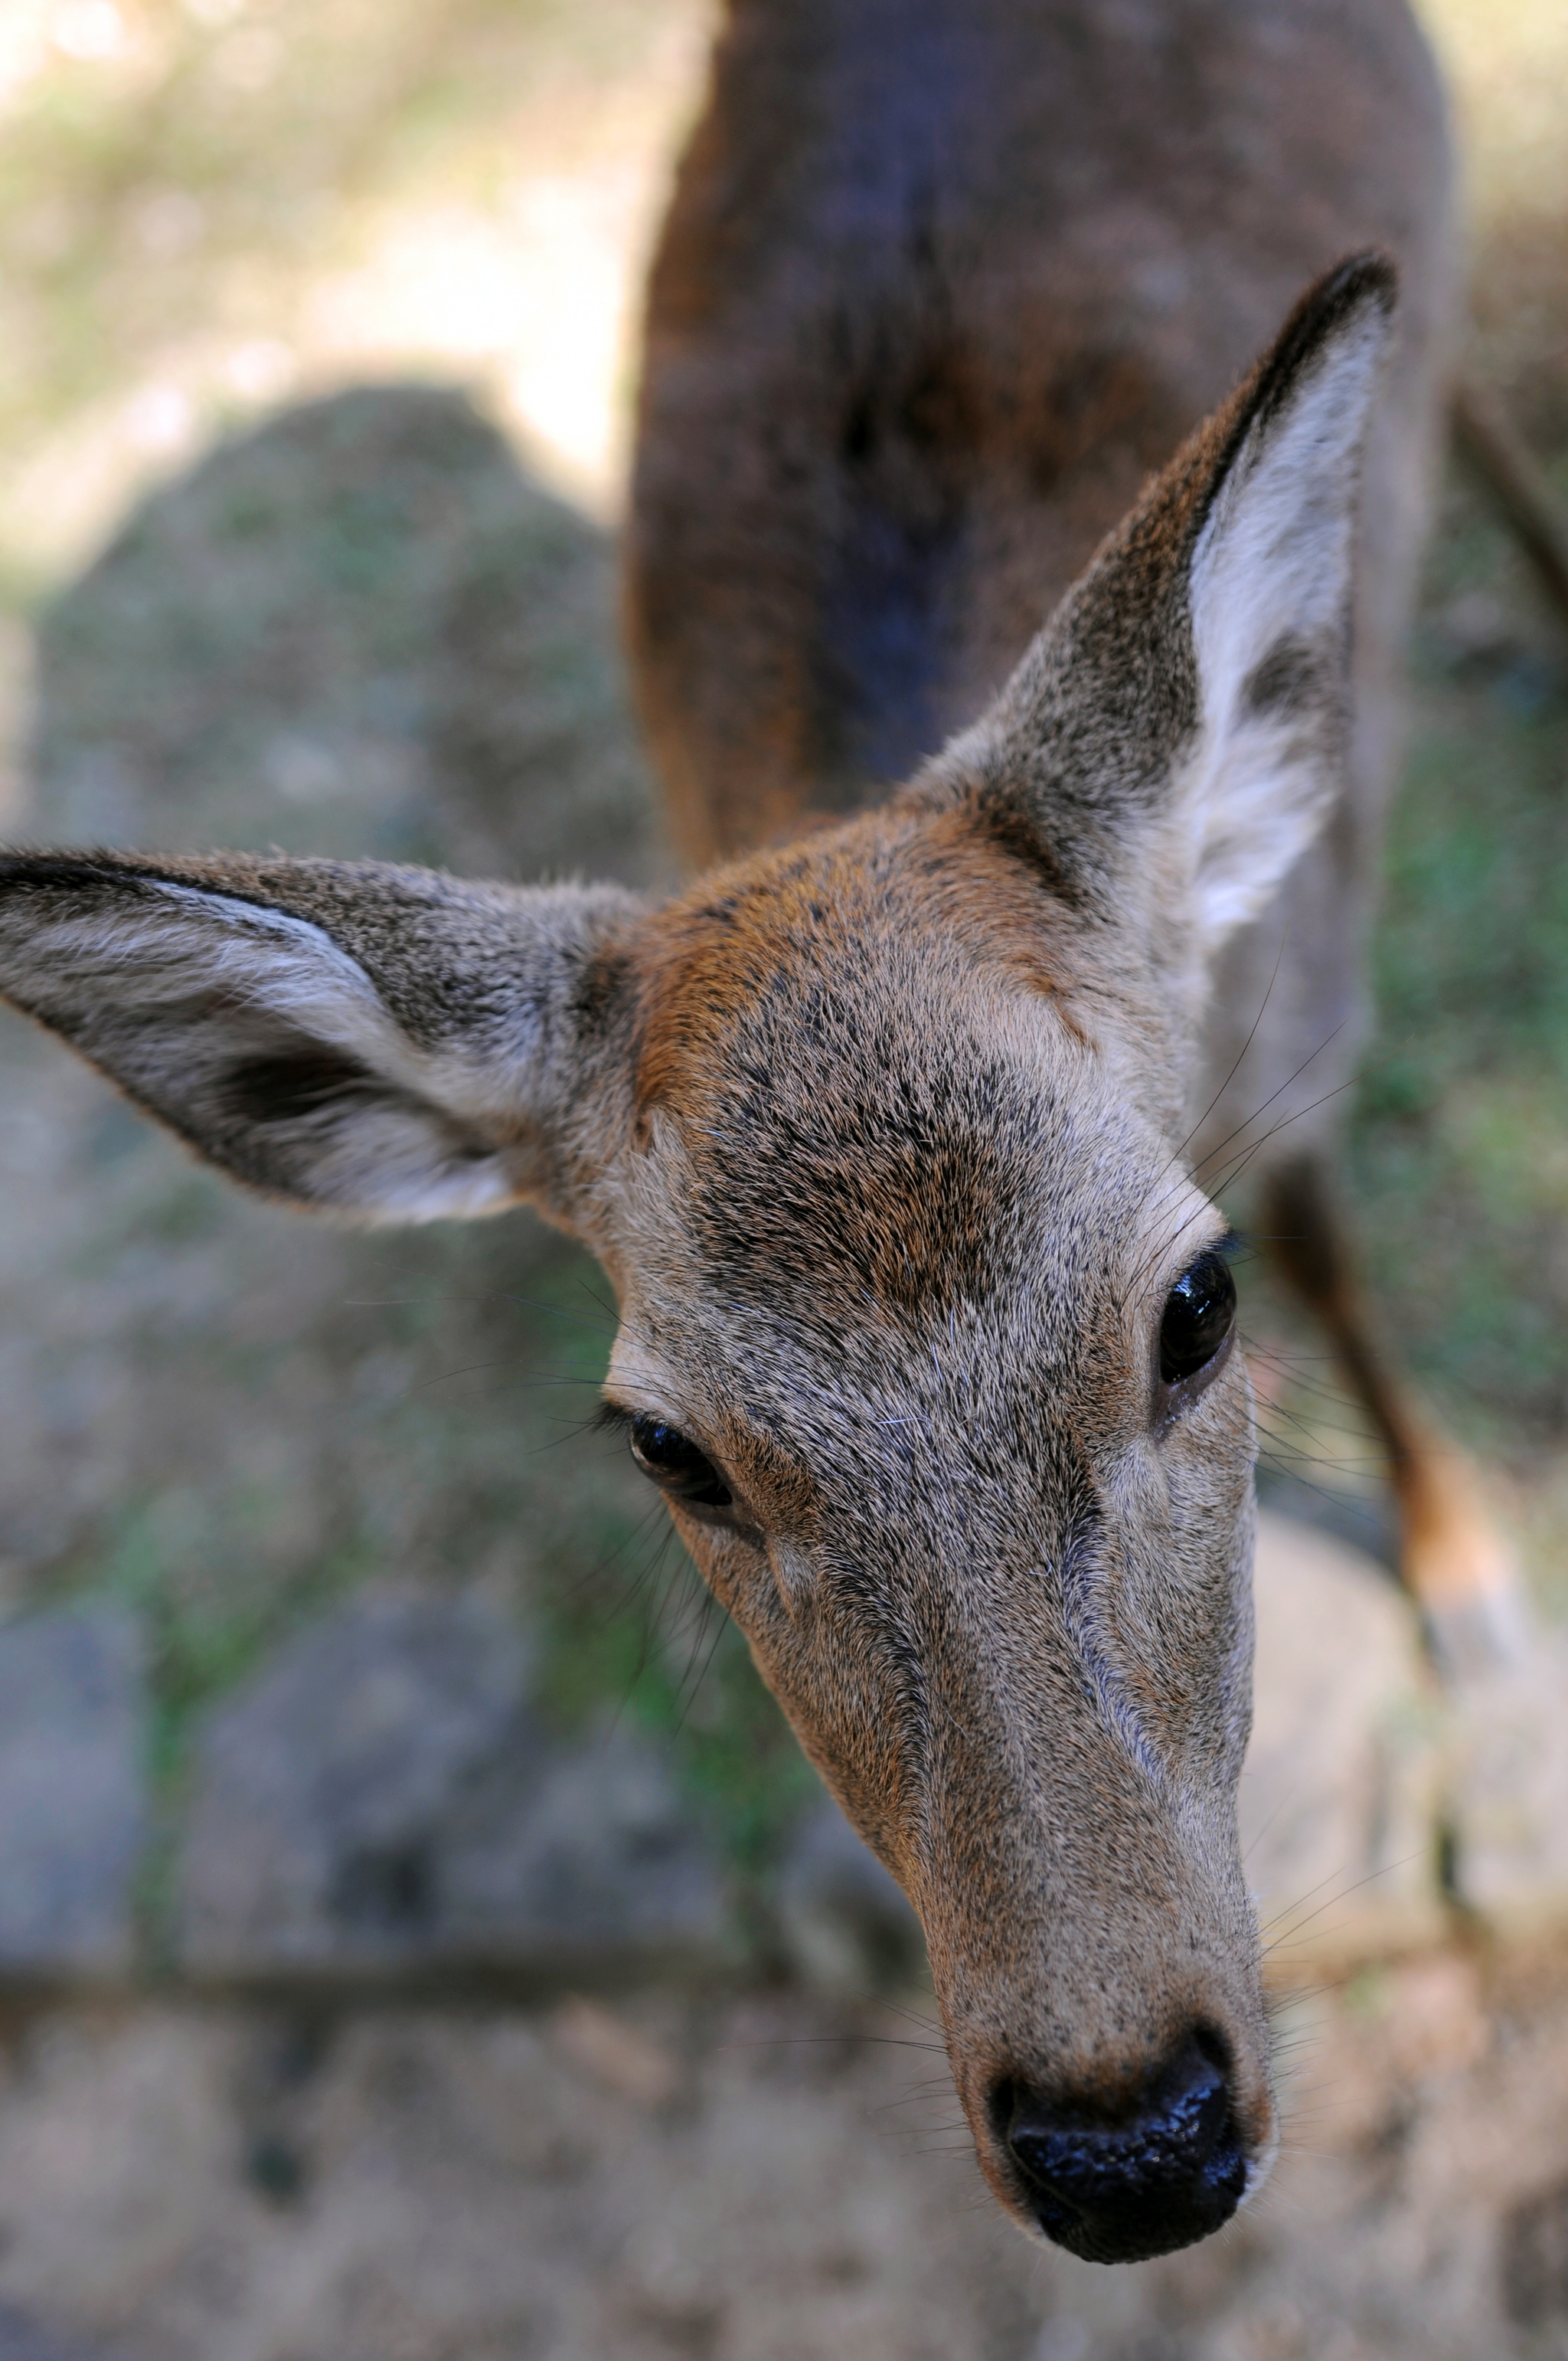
(207, 205)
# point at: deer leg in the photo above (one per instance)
(1455, 1564)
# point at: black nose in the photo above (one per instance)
(1119, 2187)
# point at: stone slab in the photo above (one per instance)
(73, 1809)
(382, 1797)
(23, 2338)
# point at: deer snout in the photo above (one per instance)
(1117, 2186)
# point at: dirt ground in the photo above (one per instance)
(753, 2177)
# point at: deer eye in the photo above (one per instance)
(1200, 1312)
(676, 1465)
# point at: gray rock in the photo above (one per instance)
(557, 1859)
(381, 1797)
(72, 1792)
(320, 1787)
(359, 628)
(845, 1923)
(25, 2339)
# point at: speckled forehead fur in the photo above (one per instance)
(871, 1047)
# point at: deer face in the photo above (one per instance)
(926, 1334)
(926, 1341)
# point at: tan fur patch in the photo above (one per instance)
(784, 916)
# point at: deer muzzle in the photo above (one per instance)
(1119, 2185)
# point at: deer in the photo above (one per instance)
(1020, 655)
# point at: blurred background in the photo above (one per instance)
(419, 1935)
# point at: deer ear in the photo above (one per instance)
(385, 1044)
(1182, 719)
(1270, 586)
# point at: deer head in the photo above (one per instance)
(925, 1329)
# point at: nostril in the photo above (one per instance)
(1140, 2181)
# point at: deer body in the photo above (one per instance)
(880, 1127)
(941, 285)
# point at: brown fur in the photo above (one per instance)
(939, 288)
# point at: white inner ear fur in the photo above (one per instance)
(132, 973)
(1271, 577)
